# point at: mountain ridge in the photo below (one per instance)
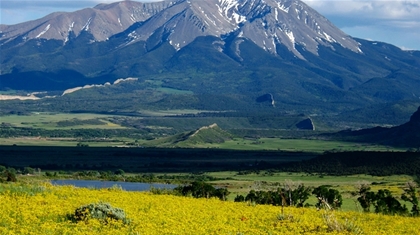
(266, 23)
(103, 20)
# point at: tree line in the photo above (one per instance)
(358, 162)
(292, 194)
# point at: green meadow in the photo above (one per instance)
(51, 121)
(297, 145)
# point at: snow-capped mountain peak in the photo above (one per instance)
(267, 23)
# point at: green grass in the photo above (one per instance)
(49, 121)
(62, 142)
(293, 145)
(172, 112)
(305, 145)
(174, 91)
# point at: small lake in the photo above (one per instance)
(127, 186)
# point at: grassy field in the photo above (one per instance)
(172, 112)
(174, 91)
(305, 145)
(61, 142)
(50, 121)
(272, 144)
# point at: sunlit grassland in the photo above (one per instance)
(305, 145)
(49, 121)
(172, 112)
(60, 142)
(276, 144)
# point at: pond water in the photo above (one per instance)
(127, 186)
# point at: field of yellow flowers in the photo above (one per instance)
(44, 209)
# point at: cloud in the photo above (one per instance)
(373, 9)
(396, 22)
(21, 4)
(405, 39)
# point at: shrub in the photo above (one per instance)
(10, 176)
(239, 198)
(119, 172)
(101, 211)
(28, 170)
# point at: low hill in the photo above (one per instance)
(405, 135)
(206, 134)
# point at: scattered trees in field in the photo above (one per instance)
(384, 202)
(200, 189)
(328, 196)
(289, 194)
(412, 195)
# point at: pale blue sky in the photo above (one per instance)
(396, 22)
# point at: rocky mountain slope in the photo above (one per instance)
(101, 21)
(265, 22)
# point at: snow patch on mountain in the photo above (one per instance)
(328, 37)
(86, 26)
(291, 36)
(44, 31)
(283, 7)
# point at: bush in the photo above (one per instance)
(28, 170)
(10, 176)
(119, 172)
(101, 211)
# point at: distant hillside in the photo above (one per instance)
(405, 135)
(206, 134)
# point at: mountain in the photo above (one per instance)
(264, 22)
(231, 51)
(102, 22)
